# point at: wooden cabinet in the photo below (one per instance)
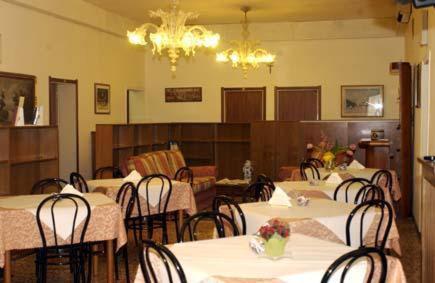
(28, 154)
(377, 153)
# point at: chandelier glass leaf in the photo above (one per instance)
(173, 34)
(244, 53)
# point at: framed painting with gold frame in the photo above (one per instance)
(362, 101)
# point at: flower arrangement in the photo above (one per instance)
(329, 152)
(275, 234)
(274, 227)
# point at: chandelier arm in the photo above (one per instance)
(146, 28)
(202, 29)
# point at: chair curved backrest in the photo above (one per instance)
(50, 185)
(125, 198)
(48, 207)
(184, 174)
(384, 221)
(369, 192)
(262, 178)
(257, 191)
(344, 186)
(78, 182)
(306, 166)
(222, 224)
(155, 182)
(372, 255)
(233, 209)
(102, 172)
(316, 162)
(148, 254)
(383, 178)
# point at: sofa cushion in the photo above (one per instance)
(176, 160)
(162, 164)
(203, 183)
(144, 164)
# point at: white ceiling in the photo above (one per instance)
(228, 11)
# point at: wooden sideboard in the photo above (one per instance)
(428, 221)
(28, 154)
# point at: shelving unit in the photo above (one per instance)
(28, 155)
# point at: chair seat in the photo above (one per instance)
(201, 184)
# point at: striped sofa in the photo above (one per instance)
(167, 162)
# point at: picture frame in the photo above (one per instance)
(362, 101)
(102, 98)
(183, 94)
(12, 87)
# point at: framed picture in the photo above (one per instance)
(183, 94)
(362, 101)
(102, 98)
(12, 87)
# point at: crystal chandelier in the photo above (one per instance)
(244, 53)
(173, 34)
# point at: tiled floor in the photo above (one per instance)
(23, 269)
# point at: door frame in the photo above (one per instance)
(319, 98)
(128, 101)
(223, 89)
(53, 80)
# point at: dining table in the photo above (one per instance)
(182, 198)
(231, 259)
(19, 229)
(366, 173)
(320, 218)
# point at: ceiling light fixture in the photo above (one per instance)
(244, 53)
(173, 34)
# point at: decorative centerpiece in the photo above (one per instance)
(275, 234)
(330, 153)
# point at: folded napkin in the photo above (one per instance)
(334, 178)
(279, 197)
(134, 177)
(355, 165)
(68, 189)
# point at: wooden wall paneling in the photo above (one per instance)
(263, 144)
(175, 132)
(161, 134)
(144, 135)
(121, 154)
(23, 176)
(48, 169)
(24, 144)
(4, 178)
(237, 132)
(123, 136)
(104, 146)
(198, 153)
(4, 161)
(334, 130)
(198, 132)
(289, 145)
(48, 143)
(231, 157)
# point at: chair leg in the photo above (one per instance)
(116, 263)
(150, 228)
(125, 254)
(177, 228)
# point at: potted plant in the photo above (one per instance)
(275, 234)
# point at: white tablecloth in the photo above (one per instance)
(231, 260)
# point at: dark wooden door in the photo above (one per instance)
(297, 103)
(241, 105)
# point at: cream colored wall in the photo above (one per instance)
(72, 40)
(329, 53)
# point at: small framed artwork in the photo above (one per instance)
(362, 101)
(13, 88)
(183, 94)
(102, 98)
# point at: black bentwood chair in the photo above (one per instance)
(150, 251)
(369, 192)
(316, 162)
(222, 223)
(78, 182)
(125, 198)
(262, 178)
(383, 177)
(256, 192)
(150, 217)
(233, 208)
(107, 172)
(305, 166)
(184, 174)
(71, 252)
(385, 220)
(344, 187)
(371, 255)
(50, 185)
